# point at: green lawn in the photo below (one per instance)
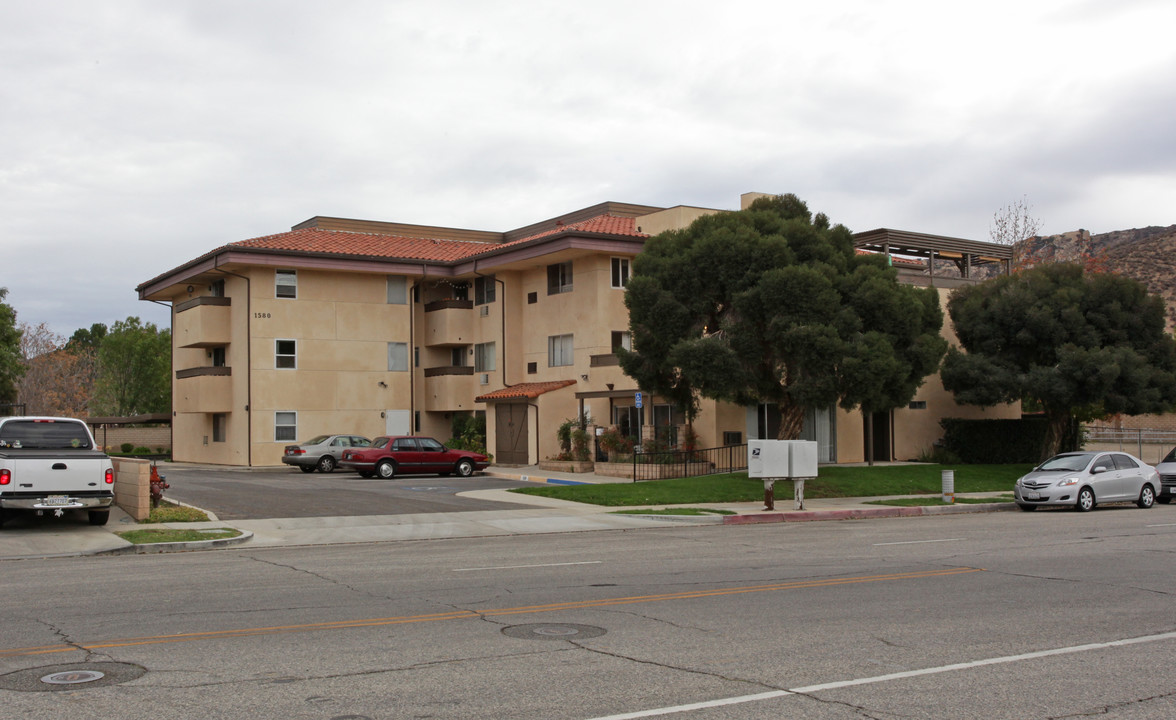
(834, 481)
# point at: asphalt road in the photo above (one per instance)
(1001, 615)
(288, 492)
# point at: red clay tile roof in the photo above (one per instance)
(337, 242)
(524, 390)
(603, 224)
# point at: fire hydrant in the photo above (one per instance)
(157, 486)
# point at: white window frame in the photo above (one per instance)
(564, 273)
(397, 357)
(626, 340)
(285, 428)
(561, 350)
(622, 270)
(485, 357)
(279, 355)
(291, 277)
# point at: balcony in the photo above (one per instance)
(203, 322)
(450, 388)
(448, 322)
(204, 390)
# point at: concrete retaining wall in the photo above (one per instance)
(132, 486)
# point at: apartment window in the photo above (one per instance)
(918, 405)
(559, 278)
(532, 298)
(559, 350)
(621, 339)
(218, 356)
(217, 288)
(457, 356)
(620, 272)
(484, 359)
(219, 422)
(416, 421)
(397, 290)
(461, 291)
(286, 283)
(286, 354)
(484, 290)
(285, 426)
(416, 357)
(732, 437)
(532, 368)
(397, 357)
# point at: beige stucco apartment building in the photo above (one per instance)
(372, 328)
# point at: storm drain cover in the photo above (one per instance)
(553, 631)
(75, 676)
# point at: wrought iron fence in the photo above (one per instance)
(12, 409)
(688, 463)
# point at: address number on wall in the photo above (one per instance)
(261, 315)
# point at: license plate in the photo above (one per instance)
(56, 500)
(1033, 496)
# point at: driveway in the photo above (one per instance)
(234, 494)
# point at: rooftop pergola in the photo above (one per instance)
(966, 254)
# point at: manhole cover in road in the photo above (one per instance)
(76, 676)
(553, 631)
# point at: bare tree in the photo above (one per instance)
(57, 377)
(1013, 223)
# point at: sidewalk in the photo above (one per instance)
(547, 515)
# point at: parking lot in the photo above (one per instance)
(236, 494)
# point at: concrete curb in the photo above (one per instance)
(866, 513)
(173, 547)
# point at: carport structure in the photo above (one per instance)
(965, 255)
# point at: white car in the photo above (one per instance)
(1084, 479)
(1167, 470)
(321, 453)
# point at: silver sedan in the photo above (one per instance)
(1085, 479)
(321, 453)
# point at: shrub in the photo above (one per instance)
(1001, 441)
(127, 447)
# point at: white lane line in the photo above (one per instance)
(919, 542)
(697, 706)
(894, 676)
(516, 567)
(1163, 525)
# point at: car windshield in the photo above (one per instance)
(1170, 457)
(44, 435)
(317, 440)
(1071, 461)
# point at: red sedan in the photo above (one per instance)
(387, 457)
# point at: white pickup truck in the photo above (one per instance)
(51, 464)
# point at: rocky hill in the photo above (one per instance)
(1145, 254)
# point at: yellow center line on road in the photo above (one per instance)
(462, 614)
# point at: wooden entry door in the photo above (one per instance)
(511, 441)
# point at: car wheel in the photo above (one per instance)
(386, 469)
(326, 463)
(465, 468)
(1147, 497)
(1028, 508)
(306, 468)
(98, 517)
(1085, 500)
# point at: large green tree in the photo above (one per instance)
(134, 366)
(773, 305)
(1082, 345)
(11, 366)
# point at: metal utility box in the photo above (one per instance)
(767, 458)
(781, 458)
(802, 459)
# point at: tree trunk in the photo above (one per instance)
(791, 420)
(1057, 429)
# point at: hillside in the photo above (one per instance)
(1144, 254)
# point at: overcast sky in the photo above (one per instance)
(136, 136)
